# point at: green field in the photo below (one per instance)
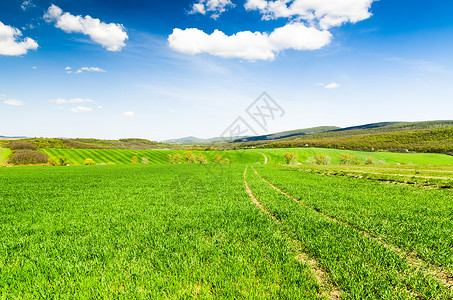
(275, 156)
(195, 231)
(103, 156)
(4, 153)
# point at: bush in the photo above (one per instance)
(53, 161)
(289, 156)
(322, 159)
(145, 160)
(201, 159)
(369, 160)
(174, 159)
(218, 158)
(28, 157)
(355, 160)
(135, 160)
(190, 157)
(89, 162)
(344, 159)
(226, 161)
(20, 145)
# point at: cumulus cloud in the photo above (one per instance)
(81, 109)
(249, 45)
(322, 13)
(90, 69)
(213, 7)
(128, 114)
(332, 85)
(11, 44)
(111, 36)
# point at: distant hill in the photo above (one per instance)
(430, 136)
(286, 134)
(194, 140)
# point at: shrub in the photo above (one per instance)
(63, 161)
(135, 160)
(289, 156)
(201, 159)
(53, 161)
(381, 162)
(226, 161)
(89, 162)
(344, 158)
(110, 163)
(369, 160)
(322, 159)
(174, 159)
(28, 157)
(20, 145)
(145, 160)
(218, 159)
(355, 160)
(190, 157)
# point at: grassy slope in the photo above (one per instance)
(78, 156)
(276, 156)
(4, 153)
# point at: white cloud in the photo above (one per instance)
(11, 45)
(214, 7)
(323, 13)
(332, 85)
(90, 69)
(27, 4)
(111, 36)
(72, 101)
(81, 109)
(34, 67)
(249, 45)
(128, 114)
(13, 102)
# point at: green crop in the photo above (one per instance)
(4, 154)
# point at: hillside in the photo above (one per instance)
(286, 134)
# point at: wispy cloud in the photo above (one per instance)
(27, 4)
(11, 102)
(90, 69)
(128, 114)
(81, 109)
(419, 64)
(332, 85)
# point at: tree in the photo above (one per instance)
(289, 156)
(89, 162)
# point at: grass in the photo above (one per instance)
(276, 156)
(140, 232)
(192, 231)
(117, 156)
(362, 267)
(415, 219)
(4, 154)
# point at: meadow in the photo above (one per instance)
(220, 231)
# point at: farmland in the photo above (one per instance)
(226, 231)
(4, 153)
(275, 156)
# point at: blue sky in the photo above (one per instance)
(154, 69)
